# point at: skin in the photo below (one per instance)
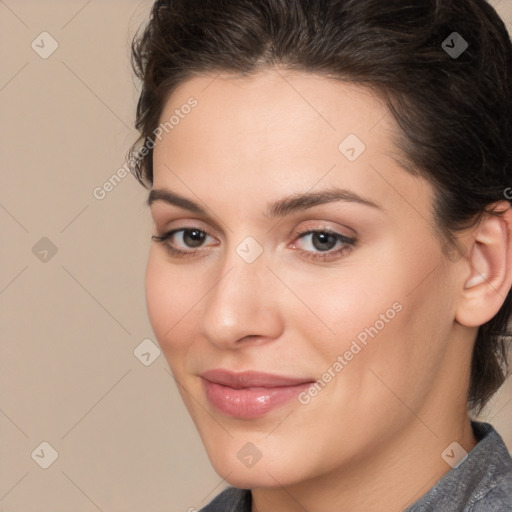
(372, 439)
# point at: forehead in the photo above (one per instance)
(279, 132)
(264, 102)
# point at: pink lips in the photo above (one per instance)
(250, 394)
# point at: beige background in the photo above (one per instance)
(70, 324)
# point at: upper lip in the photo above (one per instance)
(250, 379)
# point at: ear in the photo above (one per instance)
(488, 278)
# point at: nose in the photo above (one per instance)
(242, 306)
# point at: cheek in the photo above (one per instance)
(389, 316)
(170, 302)
(339, 305)
(394, 347)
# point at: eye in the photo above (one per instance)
(189, 238)
(320, 244)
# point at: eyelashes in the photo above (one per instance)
(196, 235)
(193, 239)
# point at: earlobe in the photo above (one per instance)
(490, 259)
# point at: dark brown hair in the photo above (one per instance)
(454, 111)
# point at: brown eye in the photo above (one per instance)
(193, 237)
(184, 242)
(323, 244)
(323, 241)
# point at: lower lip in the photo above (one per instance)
(250, 403)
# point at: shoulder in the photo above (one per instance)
(230, 500)
(494, 492)
(482, 483)
(498, 497)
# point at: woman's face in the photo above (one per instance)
(365, 306)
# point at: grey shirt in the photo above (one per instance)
(481, 483)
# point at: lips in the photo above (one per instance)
(250, 394)
(251, 379)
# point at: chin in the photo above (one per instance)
(271, 470)
(252, 478)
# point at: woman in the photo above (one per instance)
(329, 279)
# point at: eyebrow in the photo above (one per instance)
(280, 208)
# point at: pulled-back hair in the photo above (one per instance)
(454, 111)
